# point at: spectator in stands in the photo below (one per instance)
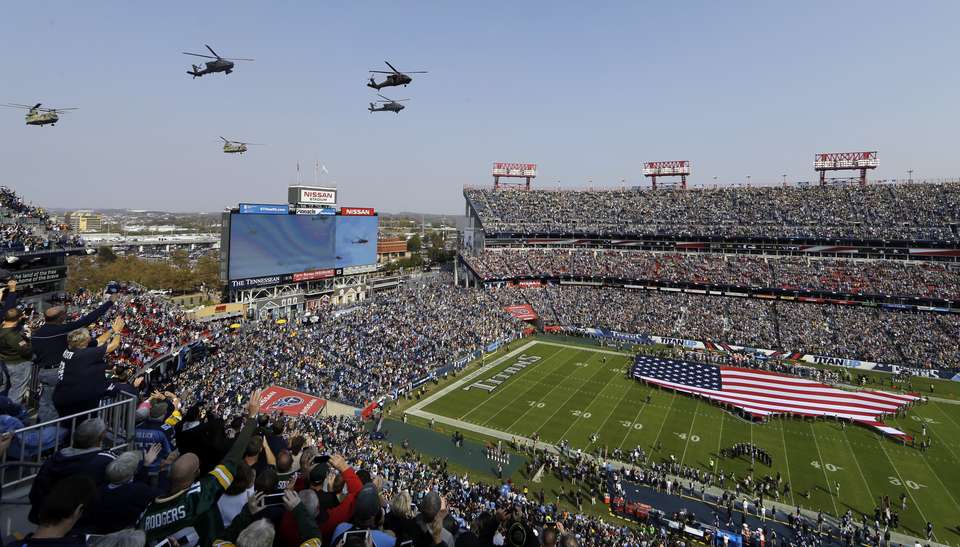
(367, 516)
(8, 294)
(401, 520)
(50, 339)
(158, 430)
(429, 532)
(126, 493)
(60, 509)
(235, 497)
(85, 458)
(15, 352)
(189, 511)
(83, 371)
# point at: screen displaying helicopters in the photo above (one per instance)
(236, 147)
(387, 105)
(394, 77)
(218, 64)
(40, 116)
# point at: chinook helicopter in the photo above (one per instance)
(387, 105)
(395, 77)
(236, 147)
(40, 116)
(218, 64)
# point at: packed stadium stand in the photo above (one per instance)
(148, 429)
(922, 212)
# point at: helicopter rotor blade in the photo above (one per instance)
(37, 105)
(381, 72)
(233, 59)
(384, 98)
(199, 55)
(16, 105)
(224, 140)
(416, 72)
(211, 51)
(393, 68)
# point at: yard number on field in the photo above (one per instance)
(828, 466)
(631, 425)
(924, 420)
(909, 484)
(581, 414)
(693, 438)
(582, 365)
(536, 404)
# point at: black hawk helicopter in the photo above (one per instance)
(40, 116)
(387, 105)
(395, 77)
(218, 64)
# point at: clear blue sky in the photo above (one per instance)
(589, 90)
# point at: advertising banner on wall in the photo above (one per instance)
(290, 402)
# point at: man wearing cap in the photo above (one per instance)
(368, 516)
(320, 478)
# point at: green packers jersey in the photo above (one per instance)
(190, 517)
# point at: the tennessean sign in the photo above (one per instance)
(492, 382)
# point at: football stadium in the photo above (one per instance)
(222, 355)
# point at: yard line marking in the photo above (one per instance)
(786, 461)
(942, 440)
(469, 377)
(664, 422)
(612, 412)
(498, 394)
(716, 462)
(690, 433)
(595, 397)
(823, 468)
(538, 399)
(559, 408)
(856, 461)
(903, 483)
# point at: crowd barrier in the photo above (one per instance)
(32, 445)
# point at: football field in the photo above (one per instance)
(569, 391)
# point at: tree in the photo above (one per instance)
(106, 254)
(414, 244)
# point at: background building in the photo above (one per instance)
(84, 221)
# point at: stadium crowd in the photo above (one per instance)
(845, 276)
(25, 228)
(924, 340)
(901, 211)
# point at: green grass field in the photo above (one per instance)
(571, 393)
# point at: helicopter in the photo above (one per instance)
(389, 105)
(360, 241)
(218, 64)
(395, 77)
(236, 147)
(40, 116)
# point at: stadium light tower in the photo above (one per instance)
(526, 171)
(654, 169)
(845, 161)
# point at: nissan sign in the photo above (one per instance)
(357, 211)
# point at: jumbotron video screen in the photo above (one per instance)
(264, 245)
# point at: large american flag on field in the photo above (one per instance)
(764, 393)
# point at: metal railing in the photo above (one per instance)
(32, 445)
